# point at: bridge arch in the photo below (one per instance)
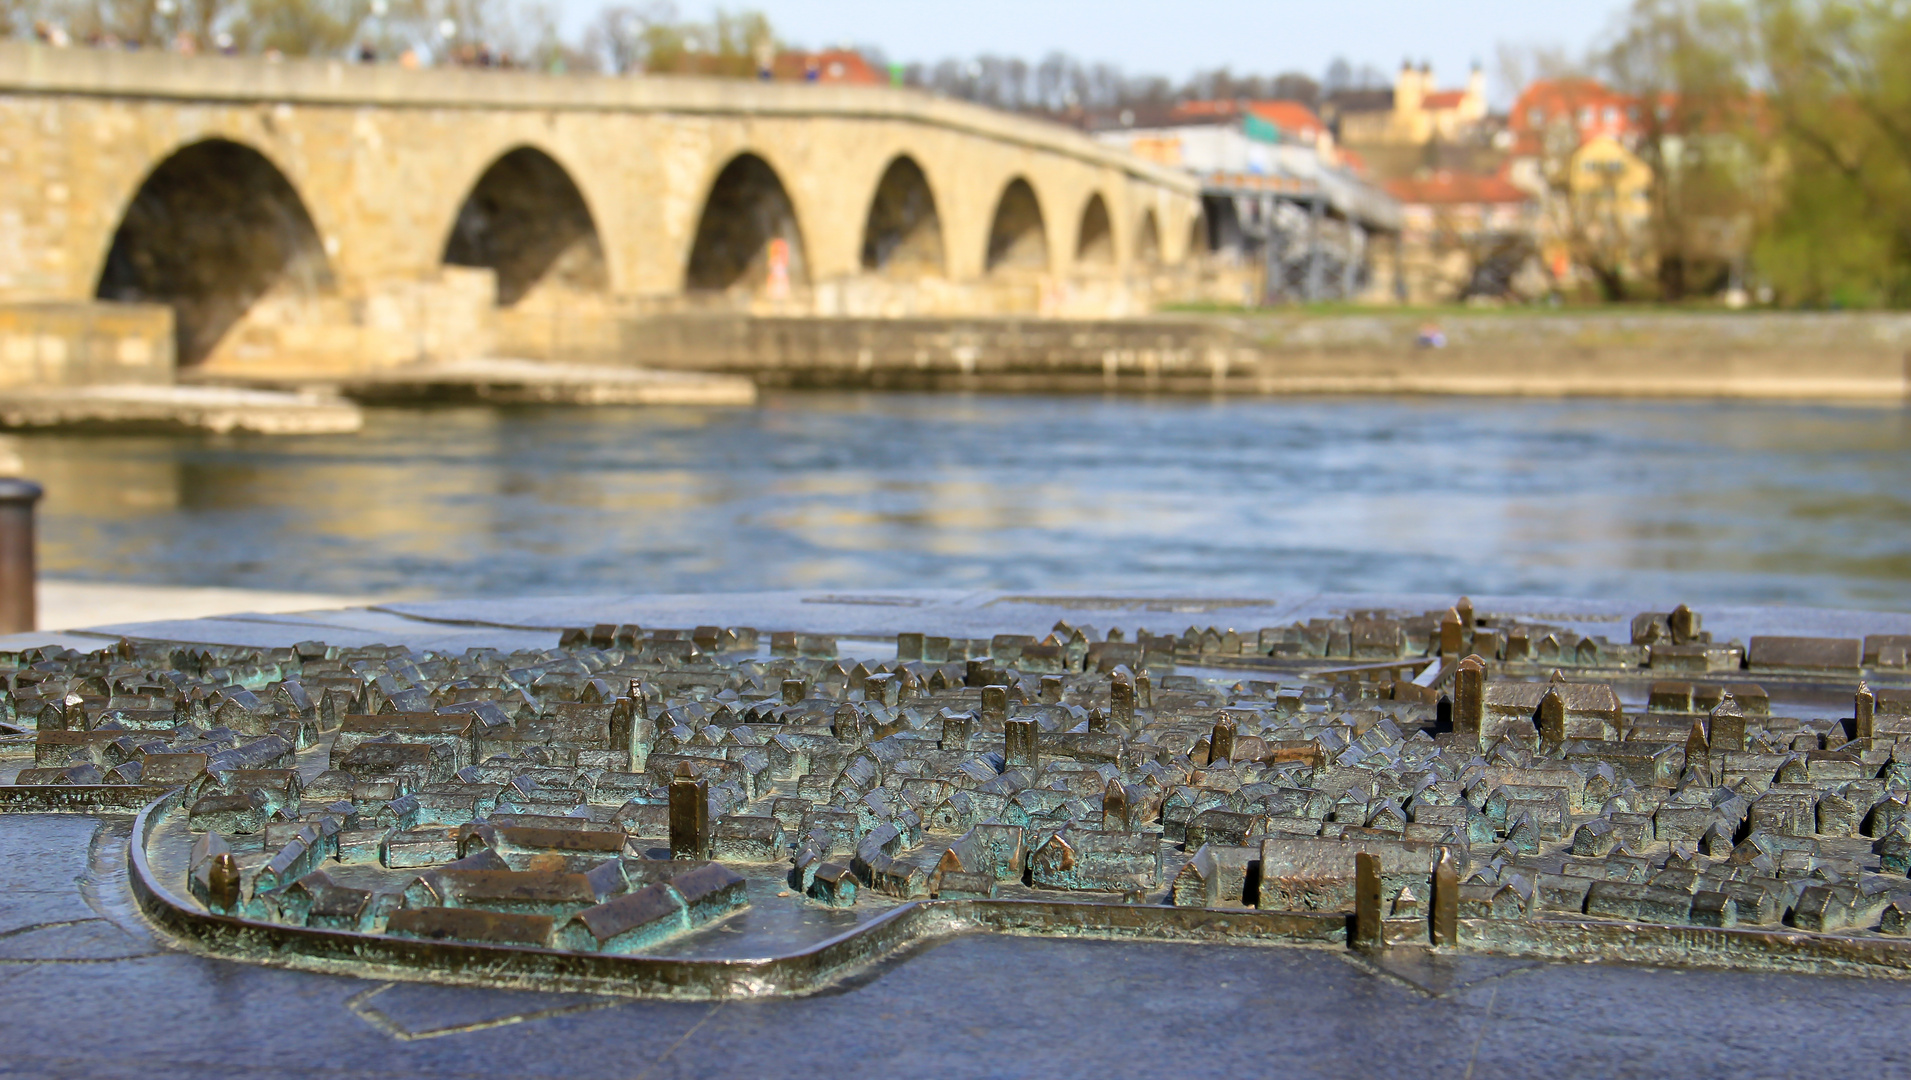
(903, 234)
(1095, 238)
(1018, 237)
(1200, 235)
(211, 229)
(1148, 239)
(748, 230)
(526, 220)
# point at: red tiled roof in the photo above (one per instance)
(830, 66)
(1289, 116)
(1565, 98)
(1453, 188)
(1222, 107)
(1586, 106)
(1443, 99)
(1593, 109)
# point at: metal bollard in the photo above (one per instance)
(19, 611)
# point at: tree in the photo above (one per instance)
(1588, 220)
(1064, 87)
(1340, 76)
(17, 15)
(134, 22)
(616, 36)
(732, 45)
(1520, 66)
(301, 27)
(1294, 86)
(1682, 64)
(1839, 106)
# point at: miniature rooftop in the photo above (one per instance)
(480, 803)
(471, 814)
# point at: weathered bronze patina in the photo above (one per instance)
(711, 812)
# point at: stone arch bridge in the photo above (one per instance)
(316, 213)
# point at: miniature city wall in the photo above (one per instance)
(718, 811)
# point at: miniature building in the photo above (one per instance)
(635, 786)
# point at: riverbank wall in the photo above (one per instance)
(113, 367)
(1843, 356)
(1772, 355)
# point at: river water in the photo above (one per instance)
(1702, 502)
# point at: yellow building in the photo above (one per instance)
(1611, 180)
(1415, 113)
(1596, 206)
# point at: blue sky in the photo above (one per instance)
(1177, 38)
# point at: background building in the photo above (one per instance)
(1416, 128)
(1465, 236)
(1279, 197)
(1414, 113)
(1574, 149)
(827, 66)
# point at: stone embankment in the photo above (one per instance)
(500, 381)
(138, 408)
(1780, 356)
(107, 365)
(112, 367)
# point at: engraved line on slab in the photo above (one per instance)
(360, 1005)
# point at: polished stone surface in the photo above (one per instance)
(66, 604)
(88, 992)
(878, 614)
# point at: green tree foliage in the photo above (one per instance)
(732, 45)
(1682, 62)
(301, 27)
(1778, 133)
(1839, 107)
(297, 27)
(135, 22)
(502, 27)
(654, 39)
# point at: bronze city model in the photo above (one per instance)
(713, 811)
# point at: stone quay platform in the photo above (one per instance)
(93, 989)
(217, 410)
(65, 604)
(1858, 358)
(505, 381)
